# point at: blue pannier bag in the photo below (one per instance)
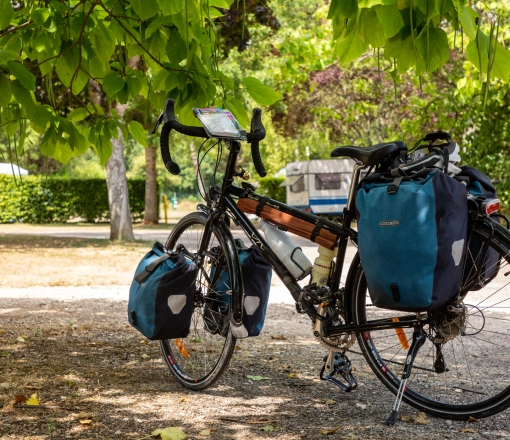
(482, 263)
(161, 295)
(256, 274)
(411, 239)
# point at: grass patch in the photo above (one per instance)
(28, 260)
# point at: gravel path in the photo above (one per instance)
(79, 355)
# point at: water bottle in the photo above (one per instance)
(286, 250)
(322, 266)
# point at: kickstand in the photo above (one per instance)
(418, 341)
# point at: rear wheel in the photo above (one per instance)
(198, 360)
(462, 369)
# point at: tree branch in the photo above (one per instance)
(80, 37)
(15, 28)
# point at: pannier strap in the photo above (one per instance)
(140, 278)
(317, 229)
(393, 188)
(262, 201)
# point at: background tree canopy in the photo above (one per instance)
(345, 71)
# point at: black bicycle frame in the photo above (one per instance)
(227, 204)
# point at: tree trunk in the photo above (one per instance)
(121, 227)
(151, 188)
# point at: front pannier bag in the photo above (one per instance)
(411, 238)
(257, 283)
(161, 295)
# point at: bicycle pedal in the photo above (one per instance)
(339, 364)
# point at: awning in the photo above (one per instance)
(290, 180)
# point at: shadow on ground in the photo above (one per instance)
(82, 357)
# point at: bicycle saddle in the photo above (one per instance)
(370, 155)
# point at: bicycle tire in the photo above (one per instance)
(476, 382)
(208, 353)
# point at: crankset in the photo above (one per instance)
(335, 364)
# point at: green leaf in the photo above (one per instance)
(174, 80)
(258, 377)
(26, 78)
(343, 8)
(238, 110)
(144, 8)
(467, 17)
(220, 3)
(40, 15)
(103, 43)
(103, 147)
(158, 82)
(169, 434)
(6, 56)
(501, 66)
(370, 3)
(134, 86)
(350, 48)
(155, 25)
(390, 18)
(407, 57)
(262, 94)
(229, 83)
(437, 52)
(24, 97)
(176, 49)
(138, 132)
(5, 94)
(6, 13)
(267, 428)
(370, 29)
(67, 65)
(170, 7)
(432, 7)
(78, 114)
(112, 83)
(42, 116)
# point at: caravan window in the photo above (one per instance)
(329, 181)
(298, 185)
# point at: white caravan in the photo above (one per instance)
(319, 186)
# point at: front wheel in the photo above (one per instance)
(462, 370)
(198, 360)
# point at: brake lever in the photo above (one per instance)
(158, 122)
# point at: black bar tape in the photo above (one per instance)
(317, 229)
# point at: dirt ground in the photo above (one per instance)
(98, 378)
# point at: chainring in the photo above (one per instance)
(338, 343)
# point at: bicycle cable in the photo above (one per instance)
(199, 178)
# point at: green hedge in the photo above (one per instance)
(270, 187)
(45, 200)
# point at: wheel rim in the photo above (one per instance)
(476, 349)
(196, 358)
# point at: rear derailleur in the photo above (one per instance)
(337, 363)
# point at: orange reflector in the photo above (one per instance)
(401, 336)
(182, 348)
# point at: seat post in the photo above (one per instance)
(354, 182)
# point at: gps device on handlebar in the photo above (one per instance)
(257, 133)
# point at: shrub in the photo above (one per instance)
(270, 187)
(38, 199)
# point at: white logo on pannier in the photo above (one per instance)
(251, 304)
(457, 248)
(176, 303)
(390, 223)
